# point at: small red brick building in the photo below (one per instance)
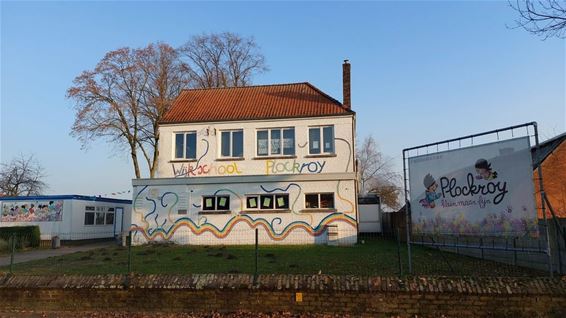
(552, 154)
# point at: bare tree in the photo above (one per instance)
(108, 102)
(545, 18)
(166, 76)
(222, 60)
(375, 174)
(23, 176)
(126, 95)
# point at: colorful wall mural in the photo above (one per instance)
(157, 214)
(32, 211)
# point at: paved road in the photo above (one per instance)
(21, 257)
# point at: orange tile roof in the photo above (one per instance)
(252, 102)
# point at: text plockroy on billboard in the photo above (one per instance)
(479, 190)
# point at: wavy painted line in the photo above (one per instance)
(196, 206)
(252, 223)
(152, 211)
(205, 152)
(295, 212)
(234, 193)
(198, 160)
(172, 206)
(204, 220)
(304, 145)
(352, 206)
(135, 200)
(279, 189)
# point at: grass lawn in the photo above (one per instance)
(374, 257)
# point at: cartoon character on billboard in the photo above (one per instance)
(430, 193)
(484, 170)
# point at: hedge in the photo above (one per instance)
(26, 236)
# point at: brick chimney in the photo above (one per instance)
(346, 85)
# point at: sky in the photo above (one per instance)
(422, 71)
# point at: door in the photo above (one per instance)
(118, 221)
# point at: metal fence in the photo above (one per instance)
(374, 254)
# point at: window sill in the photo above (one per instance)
(182, 160)
(274, 157)
(214, 212)
(264, 211)
(324, 155)
(231, 159)
(318, 211)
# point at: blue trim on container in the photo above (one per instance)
(66, 197)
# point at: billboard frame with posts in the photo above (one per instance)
(529, 130)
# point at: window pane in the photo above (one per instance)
(262, 143)
(238, 143)
(328, 134)
(275, 142)
(225, 144)
(251, 202)
(314, 140)
(289, 141)
(327, 200)
(223, 202)
(100, 218)
(311, 201)
(282, 201)
(109, 218)
(266, 201)
(179, 139)
(89, 218)
(208, 203)
(191, 146)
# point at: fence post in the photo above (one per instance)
(129, 252)
(481, 246)
(399, 252)
(256, 255)
(12, 253)
(515, 251)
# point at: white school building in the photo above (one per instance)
(69, 217)
(277, 158)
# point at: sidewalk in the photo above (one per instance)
(21, 257)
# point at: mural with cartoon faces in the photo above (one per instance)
(484, 170)
(32, 211)
(430, 192)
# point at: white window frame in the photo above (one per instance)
(231, 131)
(174, 148)
(281, 154)
(110, 210)
(92, 211)
(105, 210)
(321, 146)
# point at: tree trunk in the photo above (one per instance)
(154, 163)
(136, 164)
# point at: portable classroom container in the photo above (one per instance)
(69, 217)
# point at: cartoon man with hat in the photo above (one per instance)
(430, 193)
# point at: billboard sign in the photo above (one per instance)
(479, 190)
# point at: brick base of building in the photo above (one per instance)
(363, 296)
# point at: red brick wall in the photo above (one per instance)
(373, 296)
(554, 177)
